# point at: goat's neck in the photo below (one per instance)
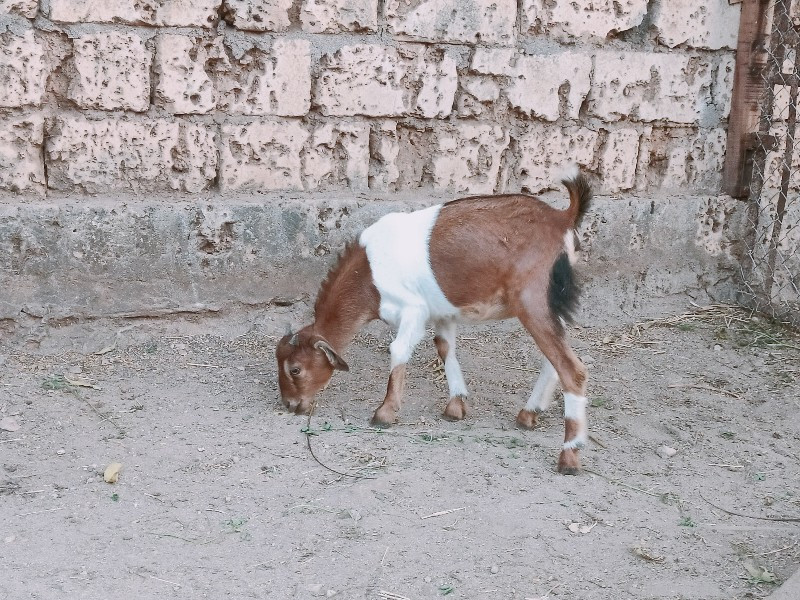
(339, 321)
(347, 299)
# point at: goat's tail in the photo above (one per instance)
(580, 195)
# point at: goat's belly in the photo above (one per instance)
(483, 311)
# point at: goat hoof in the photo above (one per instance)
(456, 409)
(569, 463)
(527, 419)
(383, 420)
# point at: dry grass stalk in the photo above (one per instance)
(384, 595)
(444, 512)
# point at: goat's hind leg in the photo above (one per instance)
(540, 397)
(551, 338)
(409, 333)
(445, 341)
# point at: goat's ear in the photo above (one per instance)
(336, 361)
(293, 340)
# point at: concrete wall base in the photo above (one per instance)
(99, 257)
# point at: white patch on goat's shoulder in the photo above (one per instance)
(569, 246)
(399, 257)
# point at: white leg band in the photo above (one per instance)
(544, 389)
(575, 410)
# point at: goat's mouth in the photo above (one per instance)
(299, 406)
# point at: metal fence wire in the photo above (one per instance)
(771, 272)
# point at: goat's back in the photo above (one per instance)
(485, 250)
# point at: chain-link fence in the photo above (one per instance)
(771, 271)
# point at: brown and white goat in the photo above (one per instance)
(473, 259)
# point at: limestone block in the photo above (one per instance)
(566, 20)
(194, 158)
(25, 8)
(23, 69)
(112, 70)
(679, 157)
(21, 166)
(467, 157)
(184, 84)
(618, 160)
(723, 84)
(268, 83)
(468, 21)
(364, 79)
(439, 80)
(534, 81)
(670, 87)
(196, 75)
(481, 88)
(331, 16)
(711, 24)
(125, 154)
(379, 81)
(384, 148)
(263, 155)
(338, 156)
(545, 151)
(258, 15)
(177, 13)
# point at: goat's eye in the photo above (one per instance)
(295, 371)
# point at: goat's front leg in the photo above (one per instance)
(409, 333)
(445, 341)
(540, 398)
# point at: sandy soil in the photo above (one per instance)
(218, 496)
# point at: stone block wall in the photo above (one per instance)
(474, 96)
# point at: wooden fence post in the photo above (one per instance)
(748, 90)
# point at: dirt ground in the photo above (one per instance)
(218, 496)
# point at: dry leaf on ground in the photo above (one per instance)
(111, 474)
(758, 573)
(647, 555)
(80, 383)
(578, 528)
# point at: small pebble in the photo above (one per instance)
(666, 452)
(717, 347)
(427, 580)
(495, 569)
(201, 449)
(315, 588)
(587, 358)
(61, 451)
